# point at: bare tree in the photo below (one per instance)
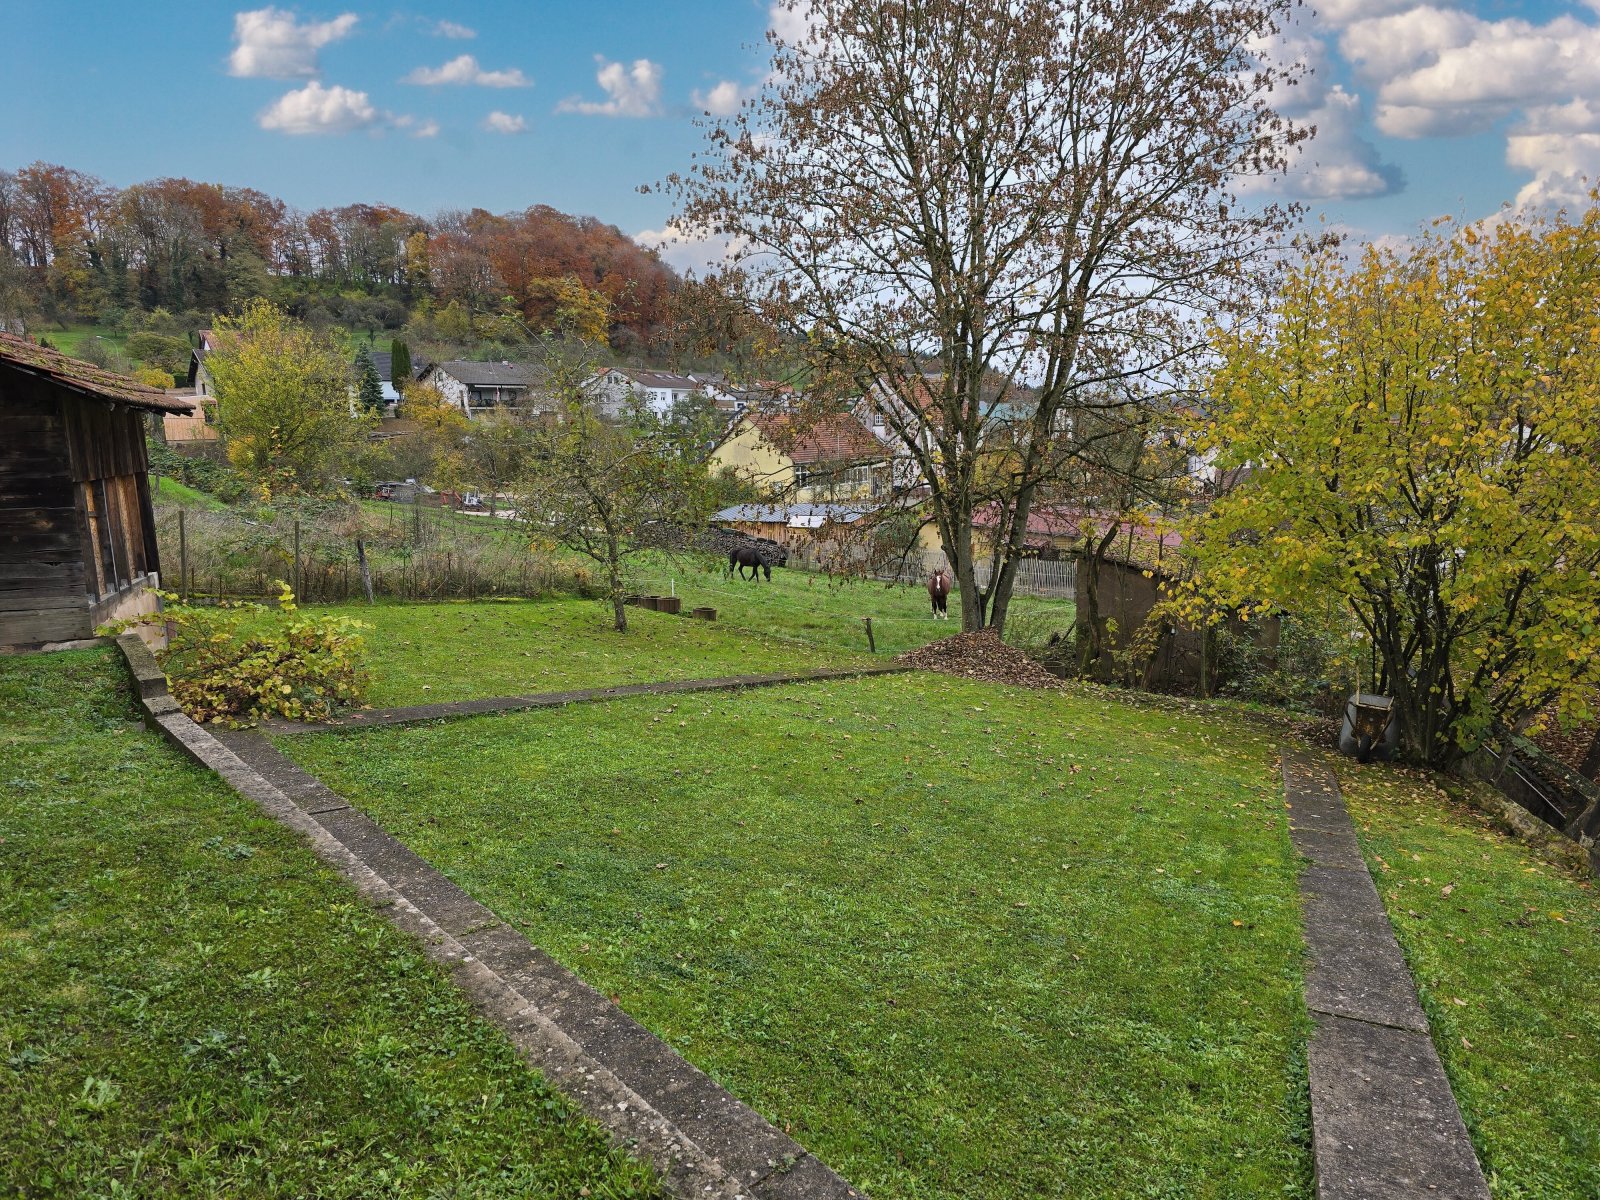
(939, 194)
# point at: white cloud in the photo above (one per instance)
(272, 44)
(791, 21)
(499, 122)
(1338, 163)
(449, 29)
(1445, 73)
(723, 100)
(418, 129)
(685, 251)
(316, 109)
(633, 91)
(464, 71)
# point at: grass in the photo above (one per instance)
(963, 941)
(170, 491)
(427, 653)
(70, 339)
(1506, 953)
(191, 1005)
(806, 607)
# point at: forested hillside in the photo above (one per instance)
(74, 249)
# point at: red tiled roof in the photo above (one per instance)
(84, 377)
(836, 438)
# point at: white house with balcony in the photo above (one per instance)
(477, 388)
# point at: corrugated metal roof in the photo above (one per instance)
(798, 516)
(84, 377)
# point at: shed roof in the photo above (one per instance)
(797, 516)
(84, 378)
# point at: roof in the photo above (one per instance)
(658, 379)
(492, 374)
(796, 516)
(84, 378)
(383, 364)
(836, 438)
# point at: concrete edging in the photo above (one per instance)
(410, 714)
(702, 1140)
(1385, 1123)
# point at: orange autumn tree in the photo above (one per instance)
(1420, 433)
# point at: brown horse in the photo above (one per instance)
(939, 594)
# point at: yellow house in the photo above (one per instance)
(833, 459)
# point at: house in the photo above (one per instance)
(477, 388)
(614, 388)
(831, 459)
(200, 380)
(77, 532)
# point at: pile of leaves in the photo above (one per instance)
(980, 655)
(233, 664)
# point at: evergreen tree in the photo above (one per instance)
(399, 365)
(370, 388)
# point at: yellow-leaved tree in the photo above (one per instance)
(1418, 434)
(284, 402)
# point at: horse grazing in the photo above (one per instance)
(939, 594)
(741, 557)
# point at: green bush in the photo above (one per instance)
(236, 663)
(215, 478)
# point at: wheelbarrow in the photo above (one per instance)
(1371, 728)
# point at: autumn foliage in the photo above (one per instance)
(1419, 435)
(82, 247)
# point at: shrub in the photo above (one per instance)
(236, 663)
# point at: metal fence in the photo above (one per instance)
(1054, 579)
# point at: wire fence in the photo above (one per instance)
(353, 552)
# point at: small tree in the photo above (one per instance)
(1420, 436)
(610, 490)
(399, 365)
(435, 451)
(369, 388)
(283, 401)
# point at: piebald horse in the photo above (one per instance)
(939, 594)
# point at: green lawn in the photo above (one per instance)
(425, 653)
(962, 940)
(191, 1005)
(806, 607)
(1506, 953)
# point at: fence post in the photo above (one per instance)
(872, 646)
(297, 595)
(366, 574)
(183, 557)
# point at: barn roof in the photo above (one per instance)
(85, 378)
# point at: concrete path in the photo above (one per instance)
(1385, 1124)
(371, 718)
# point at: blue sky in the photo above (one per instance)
(1422, 109)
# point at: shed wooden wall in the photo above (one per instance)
(76, 534)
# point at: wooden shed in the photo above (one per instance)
(77, 534)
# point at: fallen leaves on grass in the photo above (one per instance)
(980, 655)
